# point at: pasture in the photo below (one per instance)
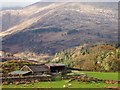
(73, 84)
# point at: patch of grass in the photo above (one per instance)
(57, 78)
(103, 75)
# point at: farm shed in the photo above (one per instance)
(36, 69)
(56, 67)
(39, 69)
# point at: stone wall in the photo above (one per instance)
(25, 79)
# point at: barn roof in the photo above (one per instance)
(55, 64)
(19, 72)
(38, 68)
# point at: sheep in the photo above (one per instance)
(69, 84)
(64, 86)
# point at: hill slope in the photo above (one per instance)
(52, 27)
(95, 58)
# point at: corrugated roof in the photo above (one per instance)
(55, 64)
(19, 72)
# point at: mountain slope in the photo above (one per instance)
(13, 17)
(93, 58)
(52, 27)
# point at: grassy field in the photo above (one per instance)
(103, 75)
(74, 84)
(59, 84)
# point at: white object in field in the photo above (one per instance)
(69, 84)
(64, 86)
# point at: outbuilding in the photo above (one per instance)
(39, 69)
(56, 67)
(36, 69)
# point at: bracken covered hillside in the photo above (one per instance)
(95, 58)
(12, 65)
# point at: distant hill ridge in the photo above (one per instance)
(51, 27)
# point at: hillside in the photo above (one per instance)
(93, 58)
(48, 28)
(12, 65)
(103, 58)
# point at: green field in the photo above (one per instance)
(59, 84)
(104, 75)
(74, 84)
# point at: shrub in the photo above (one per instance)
(57, 78)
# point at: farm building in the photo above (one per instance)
(56, 68)
(40, 69)
(36, 69)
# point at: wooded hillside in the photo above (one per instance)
(94, 58)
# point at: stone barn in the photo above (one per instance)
(36, 69)
(39, 69)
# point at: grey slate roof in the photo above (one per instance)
(39, 68)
